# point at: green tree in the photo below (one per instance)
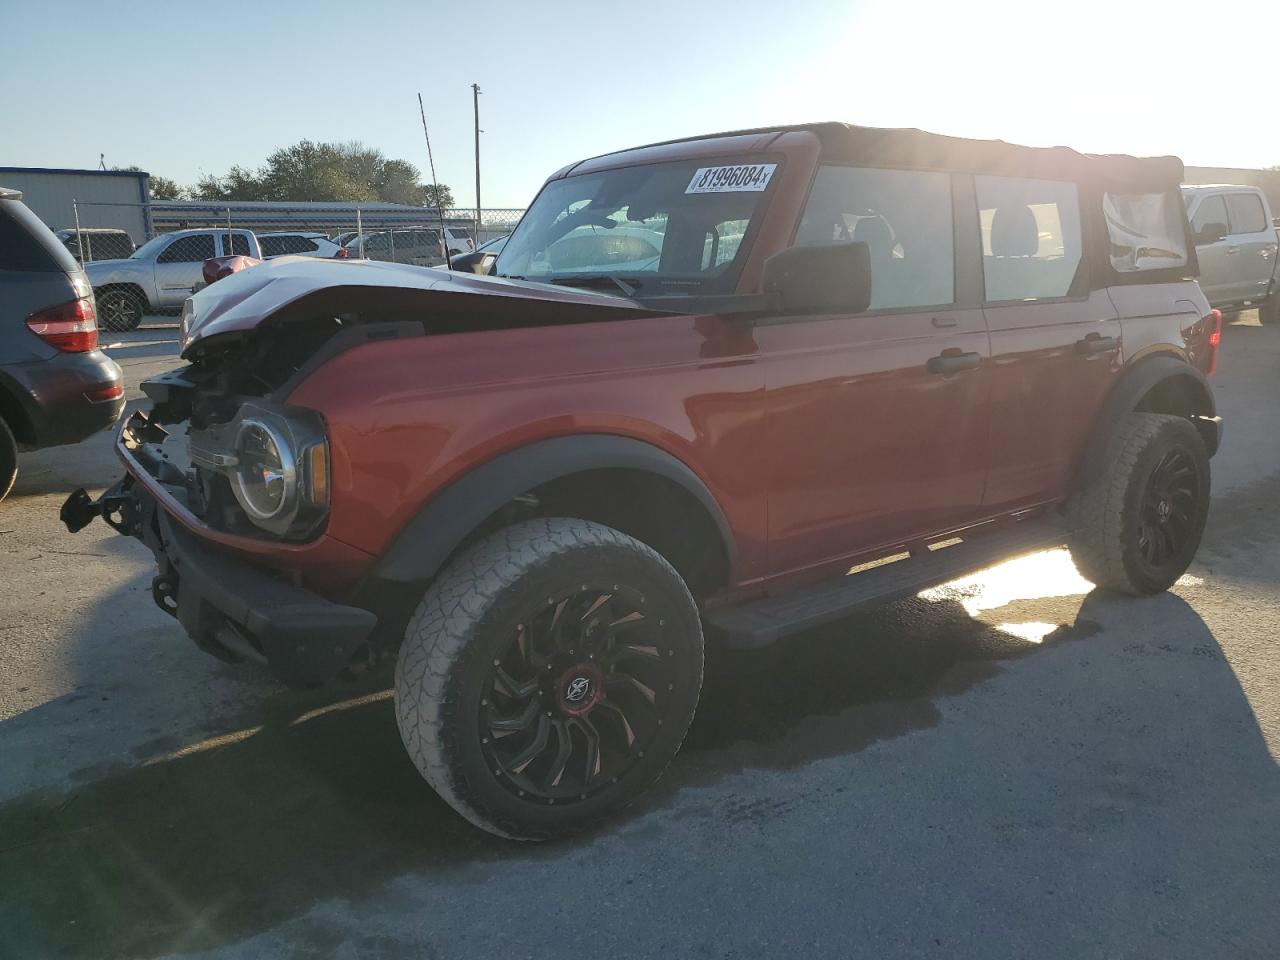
(305, 171)
(438, 195)
(162, 188)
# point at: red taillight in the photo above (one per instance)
(70, 327)
(110, 391)
(342, 254)
(1215, 341)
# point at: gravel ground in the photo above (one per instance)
(1010, 766)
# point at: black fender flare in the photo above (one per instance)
(1136, 383)
(423, 545)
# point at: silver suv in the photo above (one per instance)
(161, 273)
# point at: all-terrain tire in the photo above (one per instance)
(1111, 516)
(467, 618)
(8, 459)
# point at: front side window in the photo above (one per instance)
(1246, 213)
(664, 228)
(189, 249)
(1147, 230)
(1212, 210)
(904, 218)
(1031, 237)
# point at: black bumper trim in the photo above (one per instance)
(305, 638)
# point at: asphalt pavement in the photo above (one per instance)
(1013, 765)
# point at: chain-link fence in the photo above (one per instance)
(423, 236)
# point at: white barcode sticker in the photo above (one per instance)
(744, 178)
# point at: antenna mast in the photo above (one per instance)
(435, 185)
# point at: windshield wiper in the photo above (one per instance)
(597, 280)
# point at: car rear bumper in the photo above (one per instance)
(232, 609)
(68, 397)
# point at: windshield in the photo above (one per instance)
(149, 249)
(666, 228)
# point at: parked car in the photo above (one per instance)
(920, 356)
(56, 386)
(97, 243)
(1236, 242)
(161, 273)
(481, 259)
(420, 246)
(417, 245)
(299, 244)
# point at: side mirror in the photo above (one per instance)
(820, 278)
(1211, 233)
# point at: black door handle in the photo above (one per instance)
(953, 362)
(1095, 344)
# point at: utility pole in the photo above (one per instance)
(475, 102)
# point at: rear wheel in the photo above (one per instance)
(8, 459)
(1137, 526)
(549, 676)
(119, 310)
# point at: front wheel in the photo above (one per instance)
(549, 676)
(1138, 524)
(119, 310)
(1269, 312)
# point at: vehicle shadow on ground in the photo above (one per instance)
(314, 797)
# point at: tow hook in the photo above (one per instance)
(78, 511)
(117, 507)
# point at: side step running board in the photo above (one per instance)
(758, 623)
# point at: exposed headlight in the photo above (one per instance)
(265, 477)
(276, 462)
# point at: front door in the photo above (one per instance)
(1216, 269)
(1055, 345)
(876, 422)
(180, 266)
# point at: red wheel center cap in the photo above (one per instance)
(580, 688)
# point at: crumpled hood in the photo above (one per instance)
(295, 286)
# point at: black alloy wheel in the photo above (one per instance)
(579, 693)
(1166, 515)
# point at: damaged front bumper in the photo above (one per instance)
(232, 609)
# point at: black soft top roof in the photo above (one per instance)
(920, 150)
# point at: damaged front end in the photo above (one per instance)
(232, 608)
(229, 484)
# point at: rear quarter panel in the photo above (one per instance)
(408, 417)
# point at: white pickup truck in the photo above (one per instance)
(161, 273)
(1236, 242)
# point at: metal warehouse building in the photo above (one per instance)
(107, 198)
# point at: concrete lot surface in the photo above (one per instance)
(1010, 766)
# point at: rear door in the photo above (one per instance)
(1216, 278)
(179, 266)
(1055, 344)
(1251, 246)
(877, 421)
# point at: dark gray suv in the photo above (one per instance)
(56, 386)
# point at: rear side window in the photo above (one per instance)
(27, 244)
(1031, 238)
(1246, 213)
(239, 245)
(189, 249)
(904, 218)
(1146, 231)
(273, 246)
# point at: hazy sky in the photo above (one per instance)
(184, 88)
